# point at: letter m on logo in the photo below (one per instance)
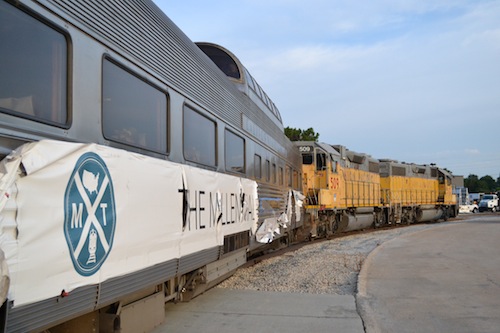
(76, 217)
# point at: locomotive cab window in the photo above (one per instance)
(307, 159)
(134, 112)
(33, 83)
(321, 161)
(199, 138)
(234, 152)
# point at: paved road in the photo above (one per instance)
(446, 279)
(229, 311)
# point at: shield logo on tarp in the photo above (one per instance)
(89, 214)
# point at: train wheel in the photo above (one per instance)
(335, 226)
(445, 216)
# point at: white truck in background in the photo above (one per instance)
(465, 204)
(489, 202)
(475, 197)
(468, 208)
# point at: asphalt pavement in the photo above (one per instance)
(445, 279)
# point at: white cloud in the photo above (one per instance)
(472, 151)
(401, 79)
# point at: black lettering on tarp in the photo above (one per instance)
(213, 210)
(233, 207)
(185, 205)
(225, 208)
(201, 209)
(193, 210)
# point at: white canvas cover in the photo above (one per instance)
(78, 214)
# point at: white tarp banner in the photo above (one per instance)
(78, 214)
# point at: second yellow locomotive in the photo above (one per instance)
(347, 191)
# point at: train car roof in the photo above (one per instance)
(232, 67)
(143, 34)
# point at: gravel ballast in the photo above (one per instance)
(327, 267)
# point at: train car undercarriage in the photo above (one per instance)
(326, 222)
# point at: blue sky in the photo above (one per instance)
(410, 80)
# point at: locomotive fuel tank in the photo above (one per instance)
(362, 219)
(427, 214)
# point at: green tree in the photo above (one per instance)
(296, 134)
(489, 183)
(484, 184)
(472, 183)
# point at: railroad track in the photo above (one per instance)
(295, 246)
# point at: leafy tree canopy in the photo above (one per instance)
(484, 184)
(296, 134)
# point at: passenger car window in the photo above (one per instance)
(235, 152)
(33, 67)
(199, 138)
(257, 165)
(268, 170)
(134, 111)
(289, 176)
(273, 174)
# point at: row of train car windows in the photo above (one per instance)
(274, 174)
(200, 134)
(134, 111)
(262, 95)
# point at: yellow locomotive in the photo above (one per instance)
(346, 190)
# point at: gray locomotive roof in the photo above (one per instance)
(328, 148)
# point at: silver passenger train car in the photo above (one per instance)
(136, 169)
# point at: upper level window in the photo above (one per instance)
(33, 68)
(223, 60)
(134, 111)
(199, 138)
(235, 152)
